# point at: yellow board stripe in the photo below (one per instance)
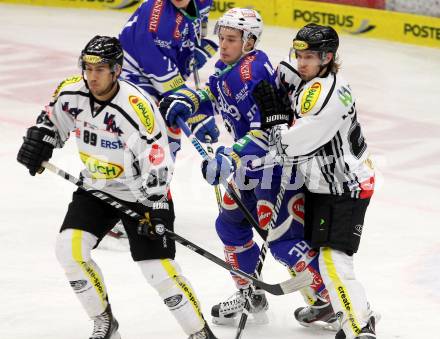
(344, 298)
(94, 277)
(187, 290)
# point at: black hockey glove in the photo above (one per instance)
(158, 217)
(269, 104)
(37, 147)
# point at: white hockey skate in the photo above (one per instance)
(227, 312)
(320, 315)
(105, 326)
(368, 331)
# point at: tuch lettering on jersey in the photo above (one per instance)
(101, 169)
(245, 68)
(310, 97)
(155, 15)
(143, 111)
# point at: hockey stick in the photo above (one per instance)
(210, 150)
(284, 287)
(218, 194)
(285, 179)
(201, 150)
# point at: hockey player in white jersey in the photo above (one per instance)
(122, 141)
(326, 141)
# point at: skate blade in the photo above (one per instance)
(322, 325)
(224, 321)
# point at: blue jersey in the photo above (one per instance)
(158, 42)
(231, 87)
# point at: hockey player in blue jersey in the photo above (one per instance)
(241, 72)
(163, 40)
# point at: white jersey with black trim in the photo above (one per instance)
(122, 142)
(325, 138)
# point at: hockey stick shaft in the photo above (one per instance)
(284, 287)
(218, 194)
(201, 150)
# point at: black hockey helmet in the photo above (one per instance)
(318, 38)
(102, 50)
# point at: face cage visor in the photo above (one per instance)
(299, 45)
(96, 60)
(246, 34)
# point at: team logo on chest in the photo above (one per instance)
(110, 124)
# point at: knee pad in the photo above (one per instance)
(176, 291)
(73, 247)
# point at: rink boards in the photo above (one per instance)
(364, 22)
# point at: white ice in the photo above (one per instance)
(398, 93)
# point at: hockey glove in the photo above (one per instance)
(272, 112)
(219, 168)
(181, 104)
(205, 51)
(204, 126)
(157, 218)
(37, 147)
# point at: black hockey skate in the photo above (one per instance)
(226, 312)
(368, 332)
(319, 315)
(204, 333)
(105, 326)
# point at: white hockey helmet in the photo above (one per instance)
(246, 20)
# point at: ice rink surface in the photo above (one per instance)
(398, 100)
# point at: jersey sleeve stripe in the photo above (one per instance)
(329, 95)
(125, 115)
